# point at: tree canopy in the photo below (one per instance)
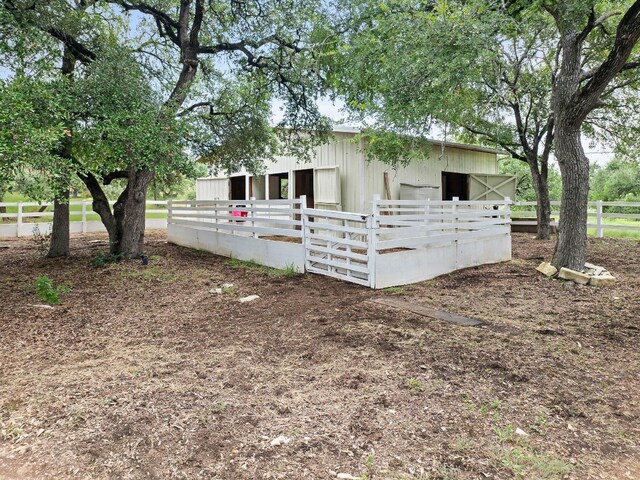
(530, 77)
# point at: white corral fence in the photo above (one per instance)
(266, 231)
(602, 216)
(400, 242)
(22, 218)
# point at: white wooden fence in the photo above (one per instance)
(27, 217)
(243, 229)
(419, 240)
(338, 244)
(599, 216)
(400, 242)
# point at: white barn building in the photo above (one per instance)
(339, 177)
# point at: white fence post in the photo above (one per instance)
(372, 239)
(507, 209)
(84, 216)
(19, 234)
(600, 230)
(169, 211)
(454, 211)
(303, 228)
(253, 214)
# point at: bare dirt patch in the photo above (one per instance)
(141, 372)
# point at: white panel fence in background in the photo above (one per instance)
(20, 219)
(602, 216)
(400, 242)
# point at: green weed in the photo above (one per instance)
(526, 464)
(48, 292)
(288, 271)
(415, 385)
(394, 290)
(103, 259)
(505, 434)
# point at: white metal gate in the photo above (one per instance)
(338, 244)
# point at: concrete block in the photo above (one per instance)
(577, 277)
(603, 281)
(547, 269)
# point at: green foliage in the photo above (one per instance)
(619, 180)
(415, 385)
(289, 271)
(103, 259)
(32, 117)
(122, 124)
(48, 292)
(524, 188)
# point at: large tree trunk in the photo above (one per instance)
(125, 224)
(543, 204)
(571, 248)
(59, 246)
(130, 214)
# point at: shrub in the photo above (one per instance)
(48, 292)
(103, 259)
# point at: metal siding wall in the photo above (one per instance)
(211, 189)
(343, 152)
(428, 172)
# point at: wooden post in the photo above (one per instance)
(215, 214)
(454, 210)
(600, 230)
(84, 216)
(347, 236)
(19, 232)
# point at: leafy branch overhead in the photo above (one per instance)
(157, 84)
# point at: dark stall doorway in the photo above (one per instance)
(238, 188)
(455, 185)
(304, 185)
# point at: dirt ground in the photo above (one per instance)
(141, 372)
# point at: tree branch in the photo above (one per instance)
(107, 179)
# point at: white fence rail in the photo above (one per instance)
(600, 215)
(242, 229)
(419, 240)
(400, 242)
(19, 219)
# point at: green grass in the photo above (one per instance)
(608, 232)
(289, 271)
(615, 233)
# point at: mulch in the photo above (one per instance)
(141, 372)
